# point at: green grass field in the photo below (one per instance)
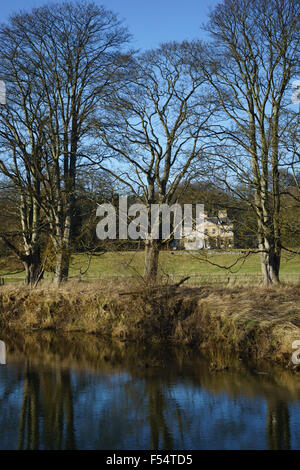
(175, 265)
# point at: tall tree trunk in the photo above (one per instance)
(62, 244)
(270, 263)
(30, 218)
(152, 249)
(31, 261)
(62, 265)
(33, 267)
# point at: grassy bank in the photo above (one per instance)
(173, 265)
(251, 322)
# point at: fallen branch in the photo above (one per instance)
(173, 286)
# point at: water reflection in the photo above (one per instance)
(2, 352)
(157, 404)
(61, 393)
(47, 394)
(278, 425)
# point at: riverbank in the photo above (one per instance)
(251, 322)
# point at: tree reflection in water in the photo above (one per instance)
(157, 404)
(278, 425)
(30, 411)
(109, 397)
(47, 409)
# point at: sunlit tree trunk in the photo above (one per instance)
(152, 249)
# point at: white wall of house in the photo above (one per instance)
(217, 231)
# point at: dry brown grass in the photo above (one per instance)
(251, 321)
(257, 322)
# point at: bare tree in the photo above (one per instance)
(249, 66)
(154, 129)
(21, 137)
(72, 52)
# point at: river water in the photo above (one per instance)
(77, 392)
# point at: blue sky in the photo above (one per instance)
(150, 21)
